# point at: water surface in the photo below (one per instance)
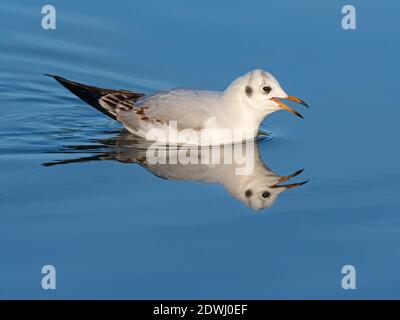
(113, 229)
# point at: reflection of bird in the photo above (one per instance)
(258, 188)
(238, 110)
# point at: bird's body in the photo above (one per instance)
(191, 116)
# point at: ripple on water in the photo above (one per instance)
(43, 117)
(53, 128)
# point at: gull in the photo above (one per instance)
(192, 116)
(258, 189)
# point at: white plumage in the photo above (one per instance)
(192, 116)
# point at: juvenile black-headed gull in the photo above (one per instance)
(192, 116)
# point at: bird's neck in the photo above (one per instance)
(246, 117)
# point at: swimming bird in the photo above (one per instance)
(192, 116)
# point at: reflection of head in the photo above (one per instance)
(257, 186)
(261, 190)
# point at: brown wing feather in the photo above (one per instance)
(104, 100)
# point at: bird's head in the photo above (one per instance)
(261, 91)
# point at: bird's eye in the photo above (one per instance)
(267, 89)
(265, 194)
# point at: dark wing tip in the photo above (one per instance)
(52, 75)
(58, 78)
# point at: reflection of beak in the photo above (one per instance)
(290, 176)
(292, 185)
(284, 106)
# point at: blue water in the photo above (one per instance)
(113, 229)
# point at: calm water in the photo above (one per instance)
(113, 229)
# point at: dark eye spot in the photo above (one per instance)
(267, 89)
(249, 91)
(248, 193)
(265, 194)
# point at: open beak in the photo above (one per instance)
(292, 185)
(284, 106)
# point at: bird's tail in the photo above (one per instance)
(104, 100)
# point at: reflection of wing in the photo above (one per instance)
(258, 189)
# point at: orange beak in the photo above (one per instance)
(286, 178)
(284, 106)
(291, 185)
